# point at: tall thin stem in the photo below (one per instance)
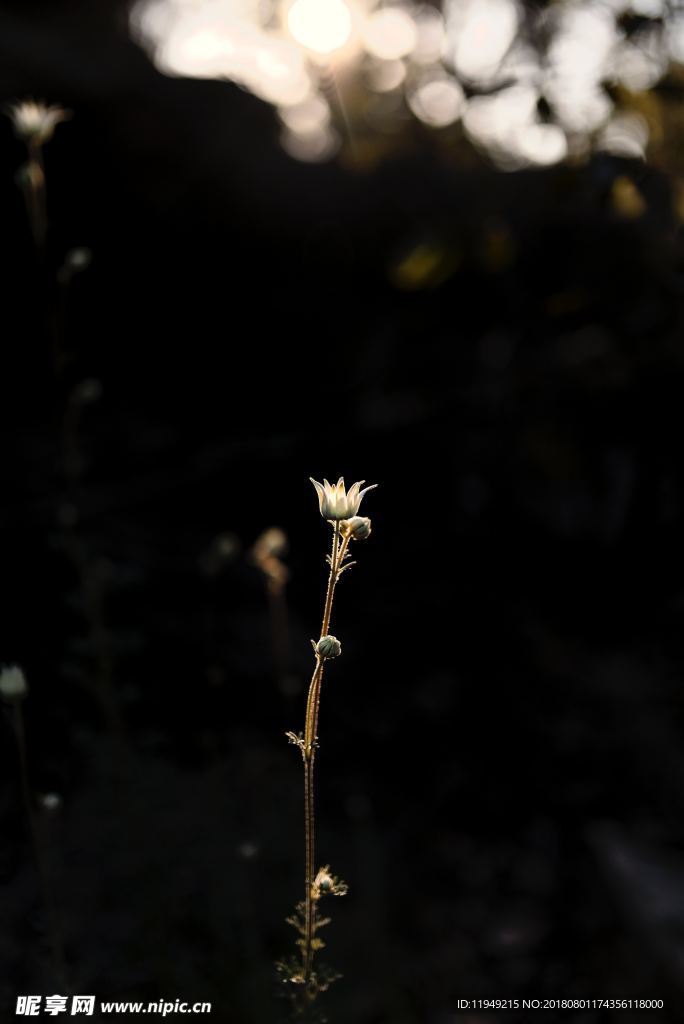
(339, 547)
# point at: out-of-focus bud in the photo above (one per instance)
(358, 528)
(87, 391)
(13, 685)
(328, 647)
(248, 850)
(50, 802)
(79, 258)
(75, 262)
(271, 544)
(34, 121)
(267, 553)
(223, 549)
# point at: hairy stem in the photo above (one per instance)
(339, 548)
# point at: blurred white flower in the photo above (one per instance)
(34, 121)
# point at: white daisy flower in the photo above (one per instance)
(335, 503)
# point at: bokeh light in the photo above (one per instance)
(312, 146)
(320, 25)
(495, 64)
(311, 115)
(385, 75)
(437, 101)
(389, 33)
(430, 35)
(480, 33)
(625, 135)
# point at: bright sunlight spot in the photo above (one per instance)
(320, 25)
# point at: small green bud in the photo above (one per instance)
(357, 528)
(328, 647)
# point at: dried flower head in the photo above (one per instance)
(34, 121)
(13, 685)
(325, 884)
(323, 881)
(335, 503)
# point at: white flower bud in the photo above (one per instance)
(357, 528)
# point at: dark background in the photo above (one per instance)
(501, 777)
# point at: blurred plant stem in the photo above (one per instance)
(33, 183)
(267, 554)
(35, 124)
(88, 570)
(34, 186)
(92, 597)
(88, 567)
(40, 853)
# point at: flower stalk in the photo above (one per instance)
(340, 508)
(339, 549)
(34, 123)
(13, 690)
